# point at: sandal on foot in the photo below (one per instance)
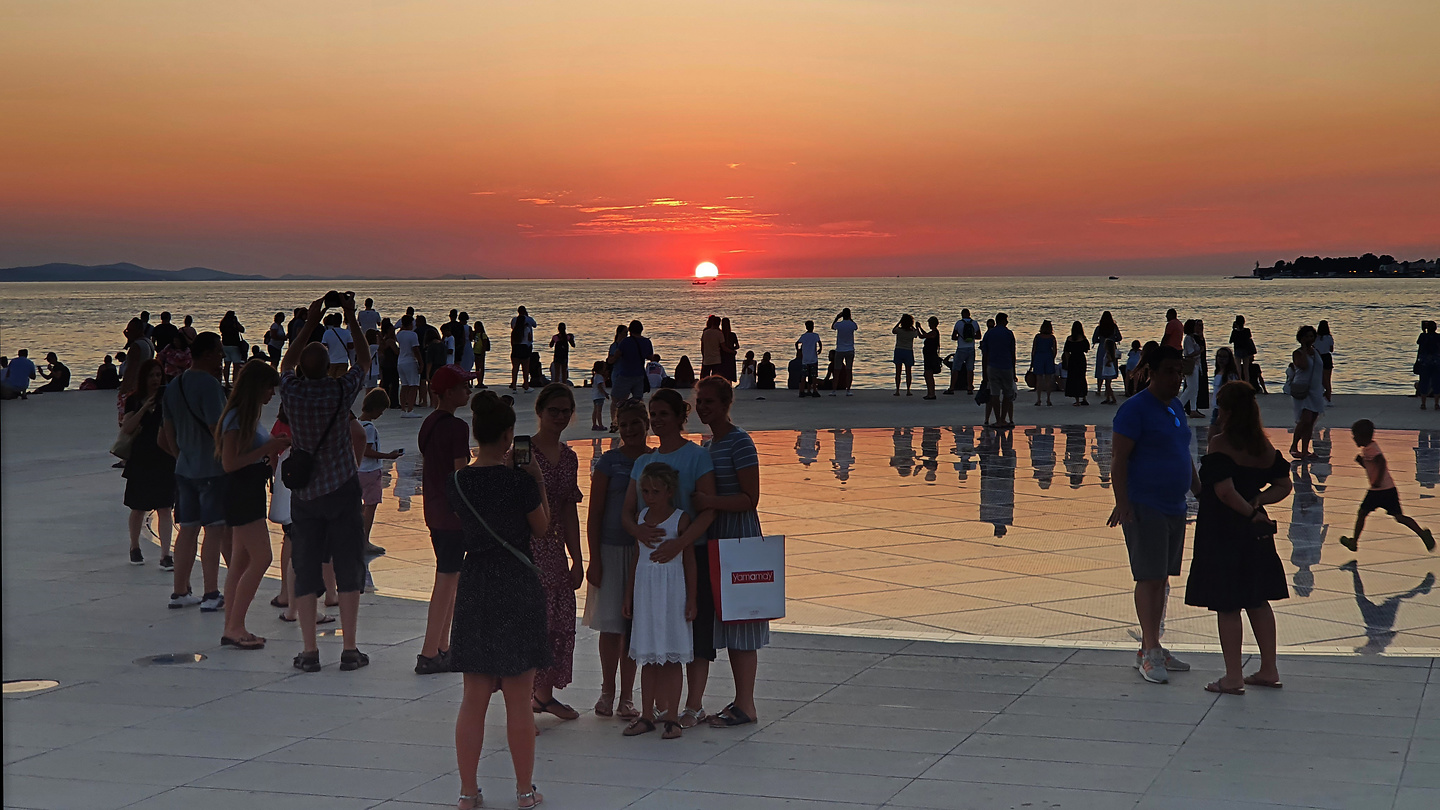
(323, 618)
(1217, 688)
(626, 709)
(691, 718)
(245, 642)
(474, 800)
(307, 661)
(672, 731)
(605, 706)
(555, 707)
(1256, 680)
(351, 660)
(729, 717)
(638, 726)
(277, 603)
(525, 801)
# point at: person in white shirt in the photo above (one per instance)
(371, 471)
(522, 341)
(809, 346)
(368, 317)
(338, 342)
(407, 367)
(655, 372)
(966, 335)
(845, 327)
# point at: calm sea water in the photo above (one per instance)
(1375, 322)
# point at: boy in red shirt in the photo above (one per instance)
(1382, 494)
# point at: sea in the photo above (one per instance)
(1374, 321)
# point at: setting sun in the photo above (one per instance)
(706, 270)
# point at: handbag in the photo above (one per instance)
(519, 555)
(122, 446)
(747, 577)
(295, 472)
(1296, 386)
(1030, 379)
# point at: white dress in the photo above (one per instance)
(659, 633)
(747, 377)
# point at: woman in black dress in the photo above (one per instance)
(1076, 348)
(499, 636)
(150, 471)
(930, 350)
(1235, 565)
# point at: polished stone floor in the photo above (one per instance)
(964, 532)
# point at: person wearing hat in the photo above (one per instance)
(56, 372)
(444, 443)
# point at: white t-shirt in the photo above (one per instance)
(844, 335)
(276, 336)
(409, 342)
(656, 373)
(369, 319)
(372, 441)
(960, 330)
(450, 349)
(809, 348)
(338, 343)
(529, 328)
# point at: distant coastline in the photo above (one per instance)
(1367, 266)
(125, 271)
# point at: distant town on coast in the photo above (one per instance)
(1367, 266)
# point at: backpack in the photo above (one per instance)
(969, 331)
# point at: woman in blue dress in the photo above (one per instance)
(1042, 362)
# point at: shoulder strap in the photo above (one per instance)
(519, 555)
(186, 401)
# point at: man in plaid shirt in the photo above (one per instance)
(326, 511)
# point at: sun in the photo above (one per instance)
(706, 270)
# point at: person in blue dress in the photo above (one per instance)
(1042, 362)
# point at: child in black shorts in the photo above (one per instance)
(1382, 494)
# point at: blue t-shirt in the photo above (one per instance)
(635, 352)
(193, 403)
(19, 373)
(1160, 464)
(692, 462)
(999, 347)
(616, 467)
(232, 422)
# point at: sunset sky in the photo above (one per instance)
(628, 138)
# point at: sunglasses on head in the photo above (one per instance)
(1173, 415)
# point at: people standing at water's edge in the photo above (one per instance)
(479, 348)
(735, 504)
(275, 339)
(164, 332)
(192, 407)
(246, 450)
(1174, 335)
(408, 365)
(1074, 359)
(1043, 350)
(930, 355)
(1192, 351)
(234, 346)
(339, 344)
(1325, 345)
(522, 339)
(1305, 385)
(712, 342)
(554, 408)
(149, 469)
(1427, 364)
(612, 555)
(729, 348)
(368, 317)
(966, 335)
(1243, 344)
(499, 635)
(998, 346)
(599, 392)
(1235, 566)
(1226, 370)
(1152, 471)
(1382, 493)
(371, 473)
(1106, 358)
(560, 344)
(325, 503)
(905, 333)
(627, 381)
(444, 447)
(388, 356)
(845, 329)
(808, 344)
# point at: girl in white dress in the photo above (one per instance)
(660, 602)
(747, 372)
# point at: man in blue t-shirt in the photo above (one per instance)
(627, 381)
(20, 372)
(998, 346)
(1152, 472)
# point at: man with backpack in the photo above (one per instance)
(966, 335)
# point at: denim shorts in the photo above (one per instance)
(623, 388)
(905, 357)
(200, 501)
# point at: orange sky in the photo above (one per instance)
(790, 138)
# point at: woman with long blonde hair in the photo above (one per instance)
(246, 451)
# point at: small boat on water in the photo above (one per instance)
(1114, 278)
(700, 282)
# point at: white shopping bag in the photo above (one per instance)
(747, 577)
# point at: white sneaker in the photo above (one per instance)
(212, 602)
(184, 600)
(1152, 667)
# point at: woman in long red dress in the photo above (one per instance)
(555, 407)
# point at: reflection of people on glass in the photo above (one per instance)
(807, 447)
(904, 456)
(1307, 529)
(844, 447)
(1427, 458)
(964, 449)
(1102, 454)
(1075, 461)
(1380, 619)
(997, 480)
(1321, 464)
(930, 451)
(1042, 454)
(407, 480)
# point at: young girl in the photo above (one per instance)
(1109, 369)
(600, 393)
(1132, 365)
(660, 602)
(747, 371)
(371, 473)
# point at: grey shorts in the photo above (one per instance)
(1002, 384)
(623, 388)
(1156, 542)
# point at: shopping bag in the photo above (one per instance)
(747, 577)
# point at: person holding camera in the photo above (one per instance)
(322, 475)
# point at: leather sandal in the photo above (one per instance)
(474, 800)
(527, 800)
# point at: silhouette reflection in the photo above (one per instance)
(1307, 529)
(997, 480)
(1042, 454)
(1427, 459)
(1076, 462)
(930, 452)
(844, 447)
(1103, 453)
(964, 451)
(1380, 619)
(903, 459)
(807, 447)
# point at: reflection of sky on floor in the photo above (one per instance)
(968, 532)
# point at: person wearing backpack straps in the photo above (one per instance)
(322, 475)
(966, 335)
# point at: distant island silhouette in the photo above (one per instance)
(1367, 266)
(125, 271)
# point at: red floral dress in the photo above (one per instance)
(561, 488)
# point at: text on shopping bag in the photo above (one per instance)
(747, 577)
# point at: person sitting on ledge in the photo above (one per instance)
(107, 377)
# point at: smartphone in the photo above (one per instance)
(521, 453)
(400, 450)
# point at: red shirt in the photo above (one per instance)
(444, 437)
(1175, 334)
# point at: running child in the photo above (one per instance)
(599, 393)
(1382, 494)
(660, 602)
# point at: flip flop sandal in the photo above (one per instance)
(243, 643)
(555, 707)
(729, 717)
(639, 726)
(525, 801)
(1215, 688)
(605, 706)
(694, 717)
(476, 799)
(275, 602)
(1256, 680)
(672, 731)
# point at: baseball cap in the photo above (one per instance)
(447, 377)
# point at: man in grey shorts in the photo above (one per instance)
(1152, 473)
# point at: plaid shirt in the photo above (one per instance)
(309, 404)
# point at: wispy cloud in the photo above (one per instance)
(484, 193)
